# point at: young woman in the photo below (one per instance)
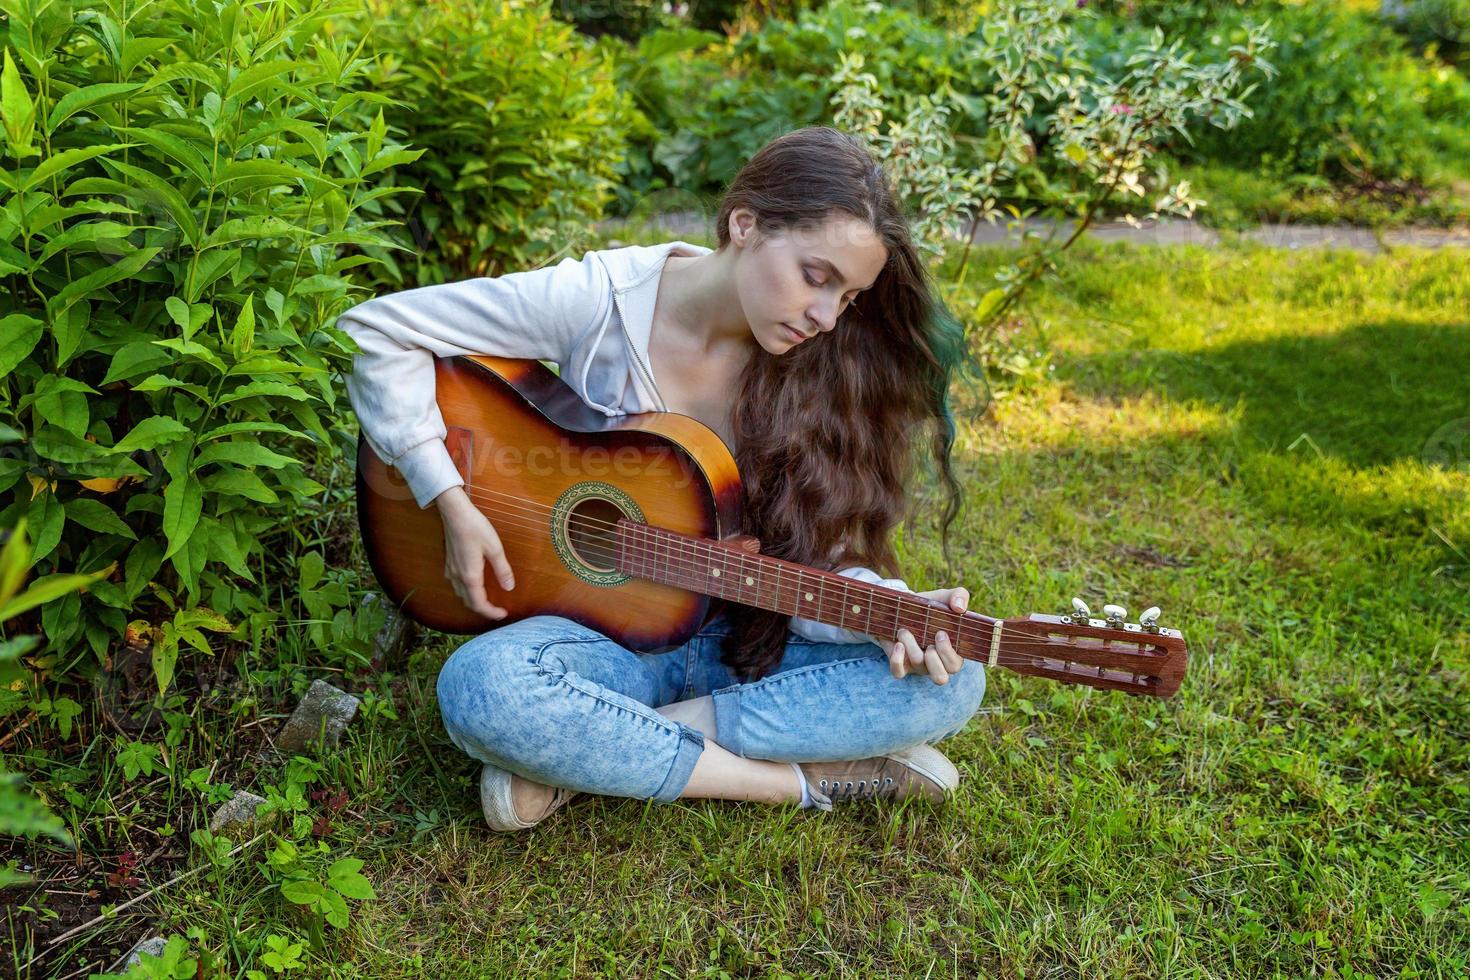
(812, 342)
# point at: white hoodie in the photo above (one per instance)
(591, 317)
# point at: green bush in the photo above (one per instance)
(1438, 27)
(709, 104)
(526, 127)
(174, 199)
(1350, 102)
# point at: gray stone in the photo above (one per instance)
(237, 812)
(324, 712)
(153, 946)
(394, 636)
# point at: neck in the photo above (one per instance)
(703, 303)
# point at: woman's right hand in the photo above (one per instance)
(470, 540)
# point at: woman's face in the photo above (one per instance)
(803, 280)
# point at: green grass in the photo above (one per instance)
(1238, 435)
(1238, 199)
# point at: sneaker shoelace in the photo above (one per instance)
(847, 789)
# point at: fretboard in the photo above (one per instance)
(724, 571)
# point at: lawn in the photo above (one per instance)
(1241, 436)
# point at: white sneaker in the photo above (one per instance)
(497, 802)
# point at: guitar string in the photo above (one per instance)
(687, 568)
(1061, 662)
(896, 605)
(962, 631)
(897, 602)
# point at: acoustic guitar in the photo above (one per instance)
(629, 525)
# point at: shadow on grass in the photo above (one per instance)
(1369, 394)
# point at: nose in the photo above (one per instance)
(826, 315)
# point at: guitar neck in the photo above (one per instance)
(1107, 655)
(717, 569)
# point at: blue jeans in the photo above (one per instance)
(562, 704)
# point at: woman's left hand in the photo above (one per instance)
(940, 660)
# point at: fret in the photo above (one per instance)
(660, 564)
(750, 581)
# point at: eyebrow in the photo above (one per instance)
(836, 271)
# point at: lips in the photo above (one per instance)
(796, 335)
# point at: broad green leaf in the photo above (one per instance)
(143, 562)
(135, 358)
(266, 173)
(188, 318)
(243, 85)
(309, 570)
(165, 658)
(195, 350)
(183, 500)
(240, 483)
(335, 907)
(252, 229)
(87, 233)
(225, 547)
(17, 109)
(48, 517)
(157, 382)
(154, 191)
(202, 617)
(124, 268)
(63, 402)
(65, 160)
(15, 559)
(90, 95)
(172, 147)
(49, 587)
(151, 433)
(302, 892)
(231, 428)
(19, 335)
(394, 158)
(97, 516)
(273, 389)
(212, 265)
(988, 303)
(69, 329)
(244, 453)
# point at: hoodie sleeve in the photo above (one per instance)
(823, 633)
(535, 314)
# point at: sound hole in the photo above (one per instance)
(591, 533)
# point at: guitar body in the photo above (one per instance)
(543, 467)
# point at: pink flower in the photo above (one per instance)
(1124, 108)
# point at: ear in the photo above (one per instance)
(742, 226)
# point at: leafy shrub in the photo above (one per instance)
(526, 125)
(1350, 100)
(170, 215)
(764, 83)
(1439, 27)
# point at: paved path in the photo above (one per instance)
(1169, 231)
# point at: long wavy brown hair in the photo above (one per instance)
(832, 434)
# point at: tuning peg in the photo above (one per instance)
(1080, 612)
(1114, 614)
(1149, 619)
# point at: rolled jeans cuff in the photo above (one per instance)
(691, 744)
(727, 718)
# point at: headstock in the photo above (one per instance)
(1109, 653)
